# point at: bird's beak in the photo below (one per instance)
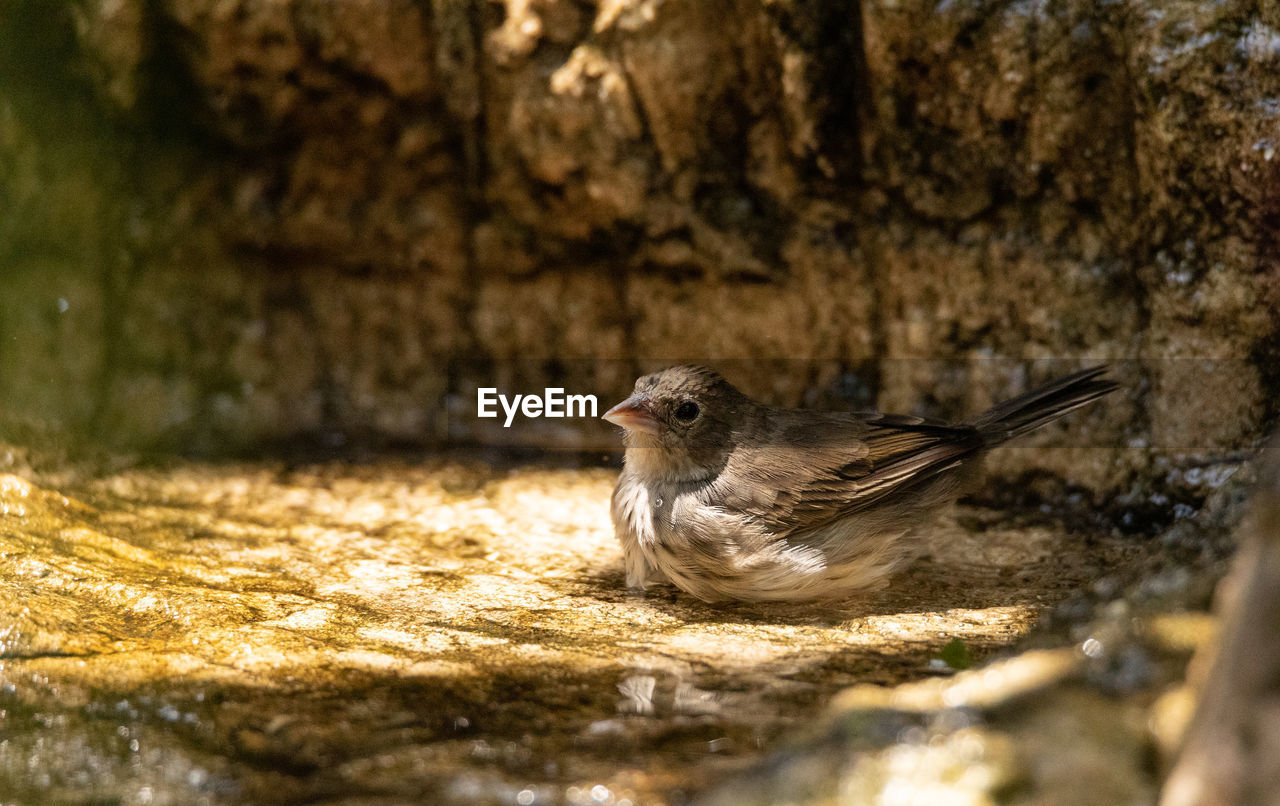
(633, 414)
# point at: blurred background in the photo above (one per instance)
(233, 225)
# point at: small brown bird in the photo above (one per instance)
(730, 499)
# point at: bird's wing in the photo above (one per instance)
(812, 470)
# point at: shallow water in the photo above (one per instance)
(441, 632)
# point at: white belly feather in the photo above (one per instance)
(714, 554)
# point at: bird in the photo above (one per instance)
(731, 499)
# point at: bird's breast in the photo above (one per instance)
(647, 509)
(633, 511)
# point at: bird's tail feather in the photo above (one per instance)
(1033, 409)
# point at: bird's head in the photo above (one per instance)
(679, 423)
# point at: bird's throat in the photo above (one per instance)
(649, 458)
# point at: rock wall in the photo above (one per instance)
(235, 222)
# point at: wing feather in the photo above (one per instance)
(813, 471)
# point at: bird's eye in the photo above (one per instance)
(688, 412)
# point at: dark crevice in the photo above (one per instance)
(831, 35)
(1265, 355)
(1139, 247)
(49, 654)
(459, 31)
(172, 104)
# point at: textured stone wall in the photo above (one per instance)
(233, 222)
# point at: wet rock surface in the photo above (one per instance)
(394, 632)
(1229, 754)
